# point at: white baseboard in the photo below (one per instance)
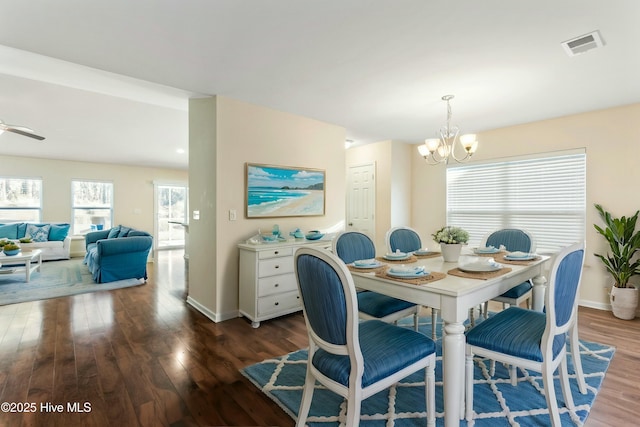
(215, 317)
(594, 304)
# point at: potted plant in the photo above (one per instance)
(11, 249)
(451, 240)
(620, 262)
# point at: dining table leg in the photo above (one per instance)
(539, 288)
(453, 372)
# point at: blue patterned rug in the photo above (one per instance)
(56, 279)
(496, 401)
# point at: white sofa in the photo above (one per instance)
(56, 246)
(51, 250)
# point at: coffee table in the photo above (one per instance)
(27, 261)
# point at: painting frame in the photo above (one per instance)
(274, 191)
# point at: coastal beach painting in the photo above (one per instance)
(277, 191)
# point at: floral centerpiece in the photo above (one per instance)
(451, 240)
(451, 235)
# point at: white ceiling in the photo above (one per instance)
(377, 68)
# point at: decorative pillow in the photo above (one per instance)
(124, 231)
(58, 232)
(38, 234)
(9, 231)
(113, 233)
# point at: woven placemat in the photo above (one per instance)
(409, 260)
(432, 277)
(428, 255)
(502, 259)
(482, 275)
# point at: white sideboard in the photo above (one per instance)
(267, 282)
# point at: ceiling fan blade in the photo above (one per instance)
(23, 131)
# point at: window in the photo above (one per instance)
(171, 212)
(20, 199)
(543, 195)
(92, 206)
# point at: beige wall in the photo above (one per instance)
(202, 247)
(249, 133)
(610, 137)
(133, 203)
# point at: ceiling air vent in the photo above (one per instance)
(583, 43)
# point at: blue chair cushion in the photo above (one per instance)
(386, 349)
(517, 291)
(516, 332)
(353, 246)
(378, 305)
(404, 240)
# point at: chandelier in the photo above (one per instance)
(440, 150)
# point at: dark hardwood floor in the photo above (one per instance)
(142, 357)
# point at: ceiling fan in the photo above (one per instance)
(20, 130)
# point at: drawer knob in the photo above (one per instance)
(276, 285)
(276, 252)
(277, 266)
(277, 303)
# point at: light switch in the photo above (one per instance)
(196, 214)
(232, 215)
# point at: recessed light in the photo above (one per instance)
(180, 151)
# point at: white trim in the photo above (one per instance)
(211, 315)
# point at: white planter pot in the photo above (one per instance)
(451, 252)
(624, 302)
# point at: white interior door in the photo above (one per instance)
(361, 198)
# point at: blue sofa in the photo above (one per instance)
(117, 253)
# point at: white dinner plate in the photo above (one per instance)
(479, 267)
(372, 264)
(518, 257)
(490, 250)
(396, 257)
(422, 252)
(409, 275)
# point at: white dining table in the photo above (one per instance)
(453, 296)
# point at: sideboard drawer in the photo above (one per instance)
(276, 284)
(274, 266)
(275, 252)
(279, 303)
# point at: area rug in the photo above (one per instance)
(496, 401)
(55, 279)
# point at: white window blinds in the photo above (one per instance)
(543, 195)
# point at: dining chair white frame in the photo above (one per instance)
(411, 310)
(330, 314)
(548, 365)
(390, 248)
(505, 300)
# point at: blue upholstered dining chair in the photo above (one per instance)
(406, 239)
(352, 246)
(513, 240)
(531, 339)
(351, 358)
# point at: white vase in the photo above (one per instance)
(451, 251)
(624, 302)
